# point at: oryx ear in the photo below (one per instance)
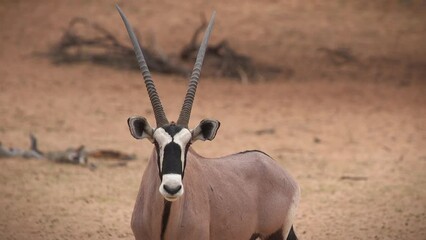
(206, 130)
(140, 128)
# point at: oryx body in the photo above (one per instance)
(241, 196)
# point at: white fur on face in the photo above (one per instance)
(182, 138)
(172, 180)
(163, 138)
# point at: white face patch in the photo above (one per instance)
(171, 186)
(182, 138)
(163, 138)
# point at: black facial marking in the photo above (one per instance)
(171, 160)
(186, 152)
(157, 148)
(172, 129)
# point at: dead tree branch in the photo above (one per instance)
(84, 41)
(223, 61)
(76, 156)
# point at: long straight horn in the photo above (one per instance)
(195, 77)
(160, 116)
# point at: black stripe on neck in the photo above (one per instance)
(165, 218)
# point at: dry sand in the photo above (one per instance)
(326, 124)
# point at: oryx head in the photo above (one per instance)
(172, 140)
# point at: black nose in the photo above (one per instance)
(172, 190)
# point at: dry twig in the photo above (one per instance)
(84, 41)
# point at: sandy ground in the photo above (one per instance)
(325, 124)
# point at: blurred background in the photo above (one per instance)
(334, 90)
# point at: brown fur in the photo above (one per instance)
(225, 198)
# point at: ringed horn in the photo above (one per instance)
(195, 77)
(185, 113)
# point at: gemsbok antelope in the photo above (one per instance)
(245, 195)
